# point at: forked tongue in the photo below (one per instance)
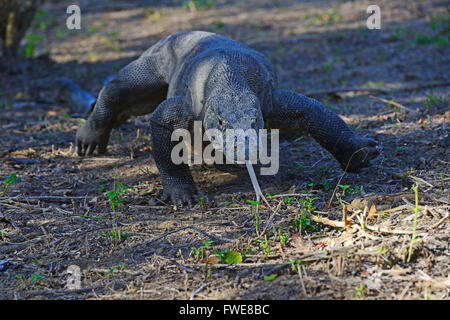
(259, 194)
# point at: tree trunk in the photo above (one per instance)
(16, 17)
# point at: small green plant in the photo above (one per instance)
(201, 202)
(123, 266)
(31, 41)
(199, 4)
(153, 14)
(326, 184)
(400, 33)
(416, 211)
(264, 245)
(295, 264)
(92, 29)
(270, 277)
(118, 235)
(255, 215)
(359, 290)
(21, 281)
(102, 186)
(283, 235)
(116, 197)
(308, 203)
(427, 39)
(432, 100)
(328, 16)
(301, 166)
(440, 21)
(287, 200)
(301, 222)
(219, 24)
(343, 188)
(200, 251)
(375, 84)
(311, 186)
(8, 181)
(59, 34)
(346, 190)
(36, 276)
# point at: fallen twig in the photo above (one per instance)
(404, 88)
(45, 198)
(165, 234)
(198, 290)
(394, 104)
(439, 222)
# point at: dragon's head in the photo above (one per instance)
(234, 121)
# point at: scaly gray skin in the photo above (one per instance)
(210, 78)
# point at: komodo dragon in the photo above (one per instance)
(202, 76)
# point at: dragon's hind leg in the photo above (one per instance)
(295, 112)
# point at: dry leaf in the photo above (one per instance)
(212, 259)
(295, 235)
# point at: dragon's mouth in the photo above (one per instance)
(236, 147)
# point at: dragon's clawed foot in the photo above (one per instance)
(180, 194)
(364, 150)
(88, 139)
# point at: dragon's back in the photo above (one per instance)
(191, 57)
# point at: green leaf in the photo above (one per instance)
(36, 276)
(270, 277)
(232, 257)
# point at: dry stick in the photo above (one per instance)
(342, 176)
(341, 224)
(165, 234)
(44, 198)
(337, 224)
(301, 280)
(405, 88)
(100, 159)
(394, 103)
(336, 90)
(62, 291)
(291, 195)
(275, 266)
(198, 290)
(386, 230)
(272, 216)
(439, 222)
(421, 180)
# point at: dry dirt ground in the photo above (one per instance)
(390, 84)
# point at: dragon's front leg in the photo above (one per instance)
(295, 112)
